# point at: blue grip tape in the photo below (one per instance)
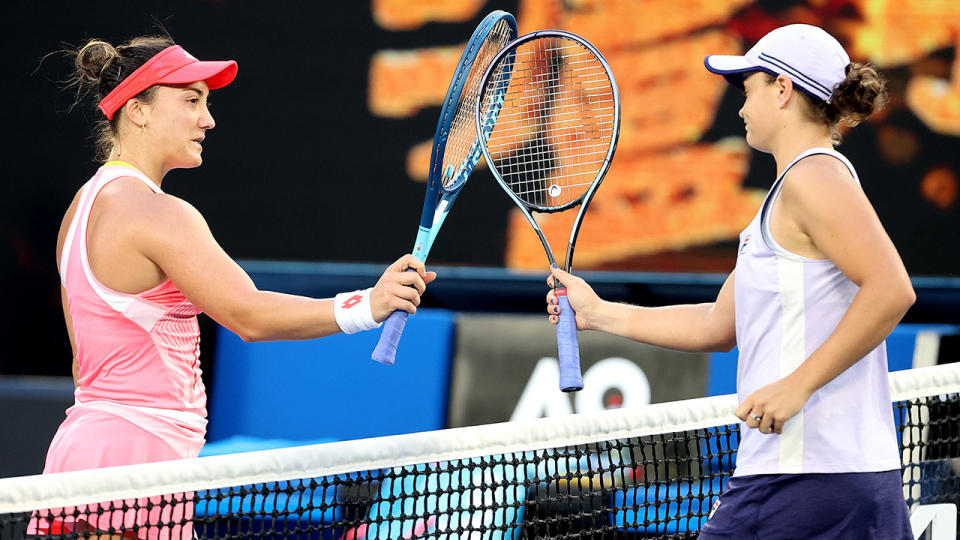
(386, 349)
(570, 379)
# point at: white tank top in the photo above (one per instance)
(786, 307)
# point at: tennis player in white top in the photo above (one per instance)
(817, 287)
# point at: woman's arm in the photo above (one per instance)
(175, 236)
(693, 327)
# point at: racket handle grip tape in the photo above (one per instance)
(570, 378)
(386, 350)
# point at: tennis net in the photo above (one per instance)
(650, 472)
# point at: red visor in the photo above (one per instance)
(172, 65)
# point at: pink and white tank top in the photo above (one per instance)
(786, 307)
(138, 354)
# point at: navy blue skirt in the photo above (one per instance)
(785, 506)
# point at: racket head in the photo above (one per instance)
(456, 150)
(552, 108)
(450, 164)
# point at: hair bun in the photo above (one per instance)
(93, 57)
(98, 67)
(863, 92)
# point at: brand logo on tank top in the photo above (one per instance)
(743, 245)
(714, 509)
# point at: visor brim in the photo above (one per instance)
(732, 68)
(216, 74)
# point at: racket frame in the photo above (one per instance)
(438, 198)
(570, 378)
(584, 199)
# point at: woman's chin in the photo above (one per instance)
(192, 162)
(753, 143)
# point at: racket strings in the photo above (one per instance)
(556, 125)
(461, 141)
(531, 167)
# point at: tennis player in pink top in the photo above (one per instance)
(138, 265)
(817, 287)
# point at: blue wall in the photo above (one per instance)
(330, 388)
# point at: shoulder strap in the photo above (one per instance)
(112, 170)
(72, 229)
(81, 216)
(778, 186)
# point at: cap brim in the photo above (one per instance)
(216, 74)
(731, 67)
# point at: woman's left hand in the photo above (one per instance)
(769, 407)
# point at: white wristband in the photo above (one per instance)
(354, 312)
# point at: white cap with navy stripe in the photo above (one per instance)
(812, 59)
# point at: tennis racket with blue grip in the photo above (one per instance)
(552, 108)
(455, 152)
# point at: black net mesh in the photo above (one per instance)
(659, 486)
(929, 433)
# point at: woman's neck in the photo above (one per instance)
(796, 141)
(150, 168)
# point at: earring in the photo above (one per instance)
(143, 127)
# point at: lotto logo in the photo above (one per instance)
(352, 301)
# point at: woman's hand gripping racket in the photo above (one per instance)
(553, 109)
(455, 152)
